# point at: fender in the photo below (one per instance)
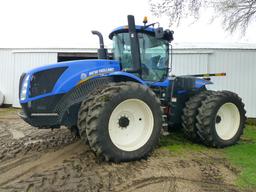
(124, 76)
(78, 94)
(199, 83)
(84, 87)
(184, 84)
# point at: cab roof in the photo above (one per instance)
(139, 28)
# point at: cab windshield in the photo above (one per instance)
(154, 55)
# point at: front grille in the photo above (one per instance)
(43, 82)
(21, 81)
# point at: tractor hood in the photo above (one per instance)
(77, 65)
(62, 77)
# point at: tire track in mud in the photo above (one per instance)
(81, 172)
(148, 182)
(33, 140)
(44, 162)
(177, 182)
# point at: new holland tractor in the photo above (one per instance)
(119, 106)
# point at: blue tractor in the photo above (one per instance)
(119, 106)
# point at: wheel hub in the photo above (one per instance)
(123, 122)
(218, 119)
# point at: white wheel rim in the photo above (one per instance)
(140, 128)
(227, 121)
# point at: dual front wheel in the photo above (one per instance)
(122, 122)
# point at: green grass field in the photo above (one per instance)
(177, 144)
(242, 156)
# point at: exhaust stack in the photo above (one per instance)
(102, 52)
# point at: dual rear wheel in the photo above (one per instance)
(215, 118)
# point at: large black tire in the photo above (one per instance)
(221, 119)
(189, 114)
(82, 115)
(101, 111)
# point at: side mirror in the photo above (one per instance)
(168, 35)
(164, 34)
(159, 33)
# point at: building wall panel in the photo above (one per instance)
(6, 74)
(240, 67)
(188, 64)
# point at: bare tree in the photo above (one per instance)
(235, 14)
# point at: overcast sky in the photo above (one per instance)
(66, 23)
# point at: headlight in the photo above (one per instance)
(24, 89)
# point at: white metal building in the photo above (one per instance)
(237, 60)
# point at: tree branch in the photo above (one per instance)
(235, 14)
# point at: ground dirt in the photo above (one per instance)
(53, 160)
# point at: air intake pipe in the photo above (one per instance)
(135, 47)
(102, 52)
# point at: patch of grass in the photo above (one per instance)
(175, 142)
(251, 121)
(243, 155)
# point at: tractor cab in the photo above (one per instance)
(141, 50)
(154, 52)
